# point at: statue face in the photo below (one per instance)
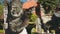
(16, 10)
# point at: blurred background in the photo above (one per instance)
(47, 9)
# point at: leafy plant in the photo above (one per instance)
(51, 3)
(1, 9)
(33, 17)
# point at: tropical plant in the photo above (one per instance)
(51, 3)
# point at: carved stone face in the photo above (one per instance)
(16, 10)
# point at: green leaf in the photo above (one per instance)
(1, 9)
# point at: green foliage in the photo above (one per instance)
(1, 30)
(51, 3)
(33, 31)
(33, 18)
(1, 9)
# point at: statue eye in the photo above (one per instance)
(13, 11)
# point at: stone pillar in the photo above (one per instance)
(5, 10)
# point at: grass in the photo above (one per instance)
(1, 30)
